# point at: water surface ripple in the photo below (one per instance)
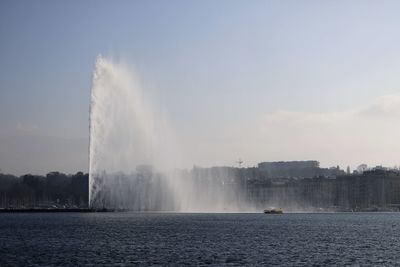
(129, 239)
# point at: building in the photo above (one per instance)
(288, 169)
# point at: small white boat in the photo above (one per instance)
(273, 211)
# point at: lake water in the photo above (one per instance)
(119, 239)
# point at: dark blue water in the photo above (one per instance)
(119, 239)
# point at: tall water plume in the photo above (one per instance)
(129, 139)
(133, 154)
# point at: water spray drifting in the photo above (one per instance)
(133, 154)
(128, 136)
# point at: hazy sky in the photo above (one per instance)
(260, 80)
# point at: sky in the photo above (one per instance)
(256, 80)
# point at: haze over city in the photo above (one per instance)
(264, 81)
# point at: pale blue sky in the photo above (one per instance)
(211, 64)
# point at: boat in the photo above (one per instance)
(273, 211)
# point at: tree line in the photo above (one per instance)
(54, 190)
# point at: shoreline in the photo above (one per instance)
(43, 210)
(89, 210)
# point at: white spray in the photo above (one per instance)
(133, 154)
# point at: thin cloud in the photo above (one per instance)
(367, 134)
(384, 107)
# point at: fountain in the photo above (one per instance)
(128, 138)
(133, 155)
